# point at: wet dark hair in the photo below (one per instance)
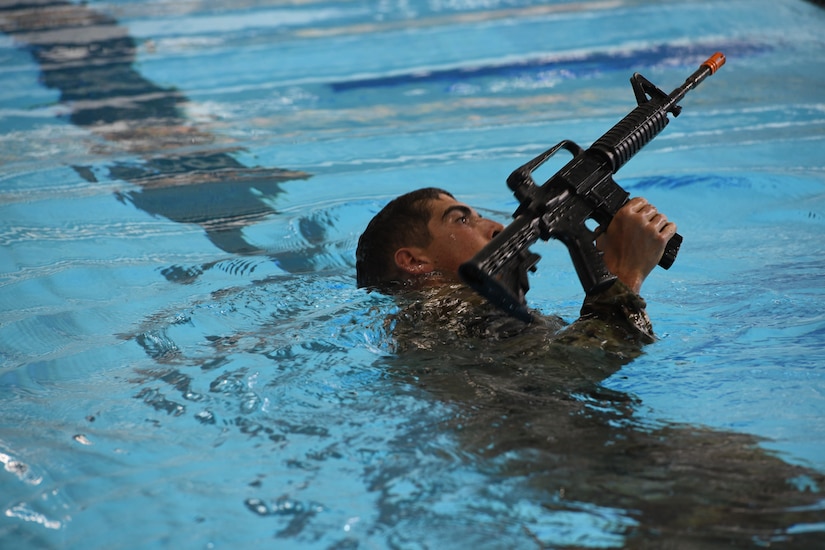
(402, 222)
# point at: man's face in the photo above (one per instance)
(458, 232)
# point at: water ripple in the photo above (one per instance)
(11, 234)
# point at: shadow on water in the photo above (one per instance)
(183, 176)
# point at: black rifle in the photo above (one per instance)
(582, 190)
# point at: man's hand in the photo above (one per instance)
(635, 241)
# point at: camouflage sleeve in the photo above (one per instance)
(614, 320)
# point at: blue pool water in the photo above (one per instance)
(184, 359)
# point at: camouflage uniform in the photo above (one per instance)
(614, 321)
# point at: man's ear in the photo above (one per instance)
(412, 260)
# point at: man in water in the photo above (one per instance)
(529, 408)
(416, 243)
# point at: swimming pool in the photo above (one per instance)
(186, 361)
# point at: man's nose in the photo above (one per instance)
(493, 229)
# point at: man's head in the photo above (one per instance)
(420, 236)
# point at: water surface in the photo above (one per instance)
(184, 359)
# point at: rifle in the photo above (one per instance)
(582, 190)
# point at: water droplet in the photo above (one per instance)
(82, 439)
(258, 506)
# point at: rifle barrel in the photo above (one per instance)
(707, 68)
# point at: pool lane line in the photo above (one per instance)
(567, 65)
(88, 57)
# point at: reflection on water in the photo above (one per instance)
(670, 484)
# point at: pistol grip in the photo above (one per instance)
(587, 259)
